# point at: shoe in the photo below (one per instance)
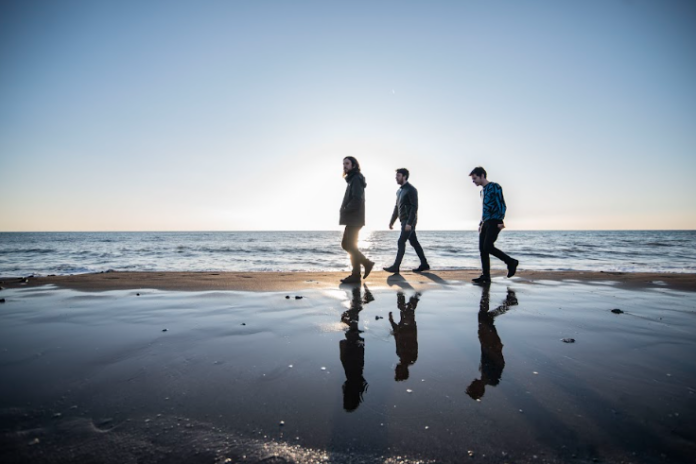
(368, 268)
(393, 269)
(512, 268)
(352, 279)
(482, 280)
(422, 268)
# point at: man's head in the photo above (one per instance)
(402, 176)
(350, 163)
(478, 176)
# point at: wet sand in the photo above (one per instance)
(147, 373)
(282, 281)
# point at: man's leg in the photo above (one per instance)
(401, 246)
(350, 244)
(489, 234)
(413, 240)
(494, 231)
(401, 249)
(485, 256)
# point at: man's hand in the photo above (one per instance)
(501, 226)
(391, 226)
(407, 227)
(479, 229)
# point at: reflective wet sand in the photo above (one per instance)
(513, 372)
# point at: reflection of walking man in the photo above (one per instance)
(492, 361)
(405, 335)
(353, 351)
(353, 217)
(406, 209)
(490, 226)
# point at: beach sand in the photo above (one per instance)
(281, 281)
(180, 367)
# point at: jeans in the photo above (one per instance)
(487, 237)
(350, 244)
(411, 237)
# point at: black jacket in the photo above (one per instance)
(353, 206)
(406, 208)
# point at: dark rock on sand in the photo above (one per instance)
(568, 340)
(616, 311)
(298, 297)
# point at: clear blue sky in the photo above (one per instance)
(235, 115)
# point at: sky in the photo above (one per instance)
(236, 115)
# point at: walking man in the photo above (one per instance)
(352, 215)
(490, 226)
(406, 209)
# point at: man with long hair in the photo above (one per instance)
(352, 215)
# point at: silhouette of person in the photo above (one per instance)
(492, 361)
(352, 351)
(352, 215)
(490, 226)
(406, 210)
(405, 335)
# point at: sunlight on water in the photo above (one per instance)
(367, 239)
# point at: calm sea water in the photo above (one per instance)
(73, 253)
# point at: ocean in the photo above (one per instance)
(62, 253)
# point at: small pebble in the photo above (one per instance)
(377, 318)
(165, 330)
(137, 294)
(298, 297)
(568, 340)
(281, 423)
(2, 300)
(35, 441)
(243, 323)
(616, 311)
(287, 297)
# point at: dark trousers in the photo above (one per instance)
(350, 244)
(487, 237)
(411, 237)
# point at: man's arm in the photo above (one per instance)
(413, 200)
(395, 214)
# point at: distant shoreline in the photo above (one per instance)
(289, 281)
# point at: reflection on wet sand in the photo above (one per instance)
(492, 360)
(353, 350)
(405, 335)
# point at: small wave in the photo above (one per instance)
(20, 251)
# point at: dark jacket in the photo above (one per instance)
(353, 206)
(406, 208)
